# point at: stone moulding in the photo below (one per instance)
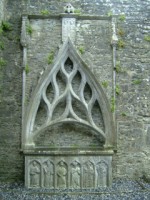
(68, 51)
(77, 16)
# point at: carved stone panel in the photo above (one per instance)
(68, 172)
(68, 29)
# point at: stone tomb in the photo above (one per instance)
(63, 172)
(68, 133)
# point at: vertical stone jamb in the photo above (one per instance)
(24, 44)
(114, 42)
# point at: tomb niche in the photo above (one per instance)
(68, 132)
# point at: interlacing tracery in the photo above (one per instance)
(70, 94)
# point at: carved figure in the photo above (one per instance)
(61, 175)
(48, 174)
(88, 176)
(34, 175)
(102, 175)
(75, 175)
(69, 8)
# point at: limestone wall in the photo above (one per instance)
(132, 110)
(2, 10)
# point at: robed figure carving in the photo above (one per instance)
(35, 174)
(88, 175)
(61, 175)
(102, 174)
(48, 170)
(75, 175)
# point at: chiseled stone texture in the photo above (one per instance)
(133, 107)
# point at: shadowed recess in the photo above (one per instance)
(79, 109)
(67, 135)
(59, 109)
(60, 79)
(76, 82)
(41, 115)
(97, 115)
(68, 66)
(50, 93)
(87, 92)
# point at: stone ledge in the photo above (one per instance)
(77, 16)
(68, 151)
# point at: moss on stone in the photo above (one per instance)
(147, 38)
(121, 44)
(50, 58)
(105, 84)
(29, 29)
(2, 62)
(45, 12)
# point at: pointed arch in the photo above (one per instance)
(67, 65)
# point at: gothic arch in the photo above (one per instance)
(67, 65)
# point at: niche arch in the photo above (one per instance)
(67, 65)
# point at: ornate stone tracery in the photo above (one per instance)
(53, 94)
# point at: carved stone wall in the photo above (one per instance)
(66, 109)
(68, 172)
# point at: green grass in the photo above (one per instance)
(6, 26)
(50, 58)
(112, 104)
(124, 114)
(110, 13)
(1, 30)
(121, 44)
(105, 84)
(27, 69)
(77, 11)
(74, 145)
(147, 38)
(2, 62)
(136, 82)
(81, 49)
(118, 89)
(118, 67)
(45, 12)
(122, 17)
(121, 32)
(1, 45)
(29, 29)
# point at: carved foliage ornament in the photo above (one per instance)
(68, 66)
